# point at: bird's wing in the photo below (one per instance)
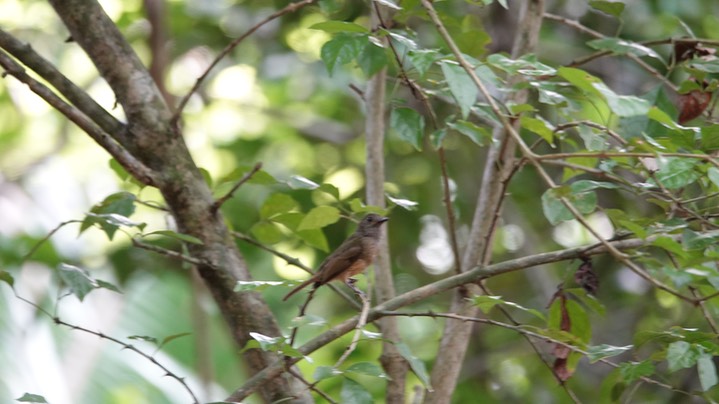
(338, 262)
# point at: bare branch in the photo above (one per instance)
(218, 203)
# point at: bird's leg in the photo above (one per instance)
(350, 282)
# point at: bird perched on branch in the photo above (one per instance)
(350, 258)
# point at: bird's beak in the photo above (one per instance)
(384, 219)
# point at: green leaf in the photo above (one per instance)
(597, 352)
(713, 174)
(526, 65)
(585, 201)
(31, 398)
(319, 217)
(177, 236)
(257, 286)
(266, 343)
(261, 177)
(357, 206)
(539, 126)
(372, 58)
(710, 138)
(477, 134)
(707, 66)
(354, 393)
(330, 190)
(409, 125)
(266, 232)
(144, 338)
(290, 220)
(436, 137)
(623, 47)
(632, 371)
(77, 279)
(680, 355)
(276, 204)
(308, 319)
(325, 372)
(423, 59)
(707, 371)
(6, 277)
(342, 49)
(334, 27)
(613, 8)
(461, 86)
(314, 237)
(486, 303)
(623, 105)
(108, 286)
(670, 245)
(417, 365)
(692, 240)
(677, 172)
(367, 368)
(112, 212)
(580, 79)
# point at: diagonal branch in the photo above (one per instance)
(128, 161)
(472, 276)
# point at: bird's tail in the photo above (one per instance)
(298, 288)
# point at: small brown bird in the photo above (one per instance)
(350, 258)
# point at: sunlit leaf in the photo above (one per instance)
(680, 355)
(267, 232)
(613, 8)
(538, 126)
(334, 27)
(319, 217)
(403, 203)
(276, 204)
(632, 371)
(677, 172)
(112, 212)
(623, 47)
(315, 238)
(324, 372)
(479, 135)
(423, 59)
(266, 343)
(300, 182)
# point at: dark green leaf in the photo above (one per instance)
(710, 138)
(713, 174)
(372, 59)
(436, 137)
(707, 66)
(409, 125)
(77, 279)
(6, 277)
(461, 86)
(319, 217)
(112, 212)
(354, 393)
(107, 285)
(342, 49)
(144, 338)
(31, 398)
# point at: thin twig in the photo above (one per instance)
(218, 203)
(292, 7)
(301, 314)
(169, 253)
(311, 386)
(705, 312)
(47, 237)
(358, 330)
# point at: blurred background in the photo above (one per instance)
(272, 101)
